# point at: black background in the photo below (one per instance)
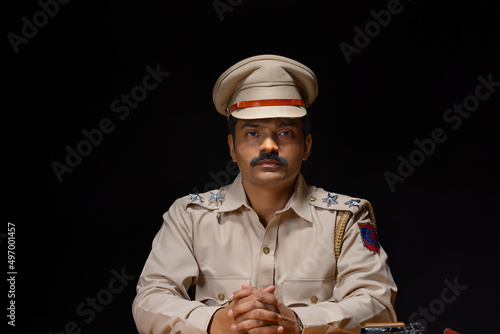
(440, 224)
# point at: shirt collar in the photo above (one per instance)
(235, 197)
(299, 201)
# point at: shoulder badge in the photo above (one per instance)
(370, 237)
(369, 231)
(327, 200)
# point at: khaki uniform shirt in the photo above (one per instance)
(217, 246)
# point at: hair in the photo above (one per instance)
(305, 121)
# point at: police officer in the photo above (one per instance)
(268, 253)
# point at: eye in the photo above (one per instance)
(251, 133)
(285, 133)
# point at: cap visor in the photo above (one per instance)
(270, 112)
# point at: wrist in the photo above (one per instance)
(219, 322)
(300, 326)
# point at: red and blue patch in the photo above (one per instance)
(370, 237)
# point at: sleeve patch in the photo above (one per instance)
(370, 237)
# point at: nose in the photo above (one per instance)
(268, 145)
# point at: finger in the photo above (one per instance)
(255, 326)
(256, 294)
(255, 310)
(247, 289)
(269, 289)
(256, 299)
(267, 330)
(241, 309)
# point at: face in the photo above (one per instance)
(269, 151)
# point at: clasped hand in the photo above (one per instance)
(254, 311)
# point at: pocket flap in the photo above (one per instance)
(306, 292)
(215, 290)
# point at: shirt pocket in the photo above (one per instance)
(215, 290)
(305, 292)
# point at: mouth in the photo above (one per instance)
(269, 163)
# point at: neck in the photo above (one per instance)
(268, 199)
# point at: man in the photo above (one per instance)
(267, 253)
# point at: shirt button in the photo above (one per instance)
(221, 296)
(312, 198)
(314, 299)
(266, 250)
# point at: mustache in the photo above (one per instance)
(268, 156)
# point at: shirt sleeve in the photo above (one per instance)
(162, 303)
(364, 292)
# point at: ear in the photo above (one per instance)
(307, 147)
(230, 142)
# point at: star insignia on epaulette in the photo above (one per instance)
(353, 202)
(330, 199)
(215, 197)
(196, 198)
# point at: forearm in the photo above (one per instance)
(343, 317)
(164, 313)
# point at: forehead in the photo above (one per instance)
(269, 123)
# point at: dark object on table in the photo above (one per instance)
(394, 327)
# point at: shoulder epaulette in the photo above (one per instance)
(341, 226)
(350, 207)
(210, 200)
(333, 201)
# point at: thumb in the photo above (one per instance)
(269, 289)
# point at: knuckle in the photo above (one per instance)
(255, 304)
(257, 323)
(259, 313)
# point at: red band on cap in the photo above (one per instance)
(267, 103)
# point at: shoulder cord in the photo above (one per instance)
(341, 225)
